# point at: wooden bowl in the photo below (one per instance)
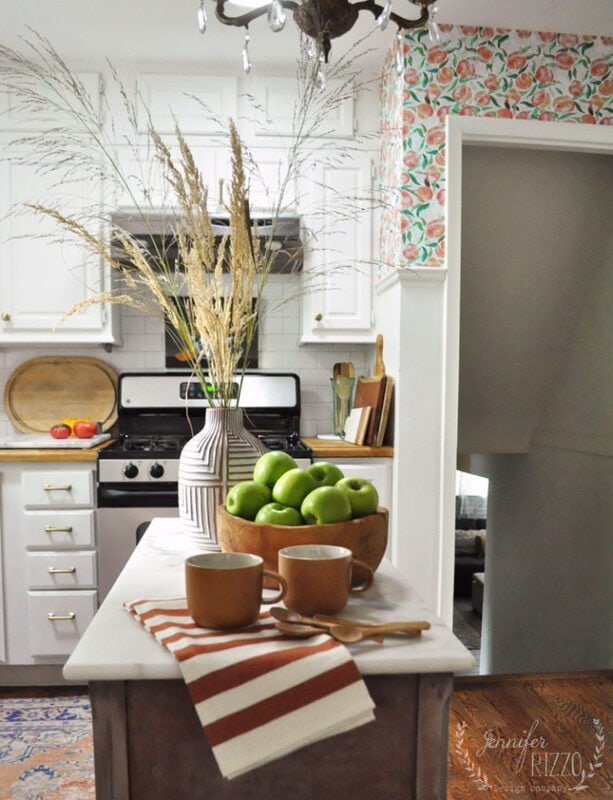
(366, 537)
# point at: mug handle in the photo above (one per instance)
(370, 576)
(282, 591)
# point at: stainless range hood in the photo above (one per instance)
(154, 230)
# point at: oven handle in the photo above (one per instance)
(136, 497)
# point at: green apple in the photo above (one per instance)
(362, 495)
(325, 474)
(270, 466)
(292, 487)
(324, 505)
(247, 498)
(276, 514)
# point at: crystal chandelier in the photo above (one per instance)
(321, 20)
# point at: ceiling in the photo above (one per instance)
(147, 31)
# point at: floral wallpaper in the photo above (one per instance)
(481, 72)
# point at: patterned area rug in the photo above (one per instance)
(46, 749)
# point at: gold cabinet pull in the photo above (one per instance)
(55, 617)
(61, 570)
(319, 317)
(5, 316)
(49, 487)
(54, 529)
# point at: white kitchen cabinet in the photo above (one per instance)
(57, 620)
(51, 530)
(198, 104)
(50, 558)
(43, 270)
(275, 102)
(337, 210)
(64, 488)
(14, 119)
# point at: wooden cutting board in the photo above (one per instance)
(370, 392)
(43, 391)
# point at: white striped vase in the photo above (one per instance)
(222, 454)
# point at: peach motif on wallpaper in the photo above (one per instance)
(476, 72)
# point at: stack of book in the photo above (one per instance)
(367, 422)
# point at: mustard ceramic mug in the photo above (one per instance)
(318, 577)
(224, 590)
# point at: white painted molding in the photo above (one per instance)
(410, 274)
(529, 133)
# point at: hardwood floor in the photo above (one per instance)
(531, 737)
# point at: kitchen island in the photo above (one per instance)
(148, 742)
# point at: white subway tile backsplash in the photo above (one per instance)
(271, 324)
(143, 348)
(135, 324)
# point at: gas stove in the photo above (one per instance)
(159, 412)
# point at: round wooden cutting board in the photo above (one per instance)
(43, 391)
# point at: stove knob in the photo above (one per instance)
(156, 470)
(130, 470)
(294, 437)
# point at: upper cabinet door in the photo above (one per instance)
(337, 296)
(200, 105)
(276, 99)
(12, 118)
(43, 270)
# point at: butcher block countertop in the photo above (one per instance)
(333, 448)
(35, 455)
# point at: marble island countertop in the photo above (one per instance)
(115, 647)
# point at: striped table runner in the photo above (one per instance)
(258, 694)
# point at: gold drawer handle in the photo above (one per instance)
(49, 487)
(61, 570)
(5, 316)
(319, 317)
(55, 617)
(53, 529)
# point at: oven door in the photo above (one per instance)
(121, 509)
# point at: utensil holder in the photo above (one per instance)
(342, 398)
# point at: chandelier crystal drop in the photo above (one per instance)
(434, 33)
(276, 16)
(322, 20)
(246, 58)
(399, 57)
(202, 17)
(383, 19)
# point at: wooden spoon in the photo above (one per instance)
(296, 620)
(384, 627)
(345, 634)
(299, 631)
(329, 623)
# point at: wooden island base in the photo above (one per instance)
(148, 745)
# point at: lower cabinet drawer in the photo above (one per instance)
(57, 488)
(70, 570)
(57, 620)
(51, 529)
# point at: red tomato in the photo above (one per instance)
(60, 431)
(84, 429)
